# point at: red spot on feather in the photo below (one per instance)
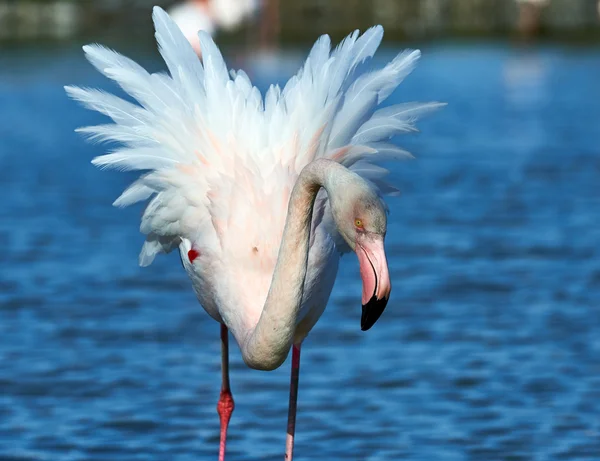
(192, 255)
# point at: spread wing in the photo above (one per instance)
(219, 160)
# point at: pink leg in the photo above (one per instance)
(291, 426)
(225, 405)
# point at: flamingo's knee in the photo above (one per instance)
(225, 406)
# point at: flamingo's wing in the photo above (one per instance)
(220, 160)
(345, 95)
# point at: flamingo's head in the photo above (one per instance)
(361, 220)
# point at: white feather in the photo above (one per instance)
(135, 159)
(366, 45)
(137, 192)
(178, 55)
(119, 110)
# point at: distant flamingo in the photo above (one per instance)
(210, 16)
(260, 197)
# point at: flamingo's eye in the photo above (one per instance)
(358, 223)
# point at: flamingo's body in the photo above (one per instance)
(235, 179)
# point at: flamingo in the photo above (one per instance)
(209, 16)
(259, 196)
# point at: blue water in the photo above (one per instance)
(489, 348)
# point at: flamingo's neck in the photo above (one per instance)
(267, 345)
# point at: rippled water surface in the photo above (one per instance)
(489, 348)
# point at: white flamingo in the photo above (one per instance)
(260, 197)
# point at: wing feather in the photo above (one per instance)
(219, 159)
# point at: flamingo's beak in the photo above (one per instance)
(375, 277)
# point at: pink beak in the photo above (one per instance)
(375, 277)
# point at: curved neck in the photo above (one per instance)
(267, 345)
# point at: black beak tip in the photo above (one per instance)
(371, 312)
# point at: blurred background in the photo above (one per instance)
(490, 346)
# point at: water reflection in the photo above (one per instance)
(526, 82)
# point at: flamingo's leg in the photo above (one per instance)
(291, 425)
(225, 405)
